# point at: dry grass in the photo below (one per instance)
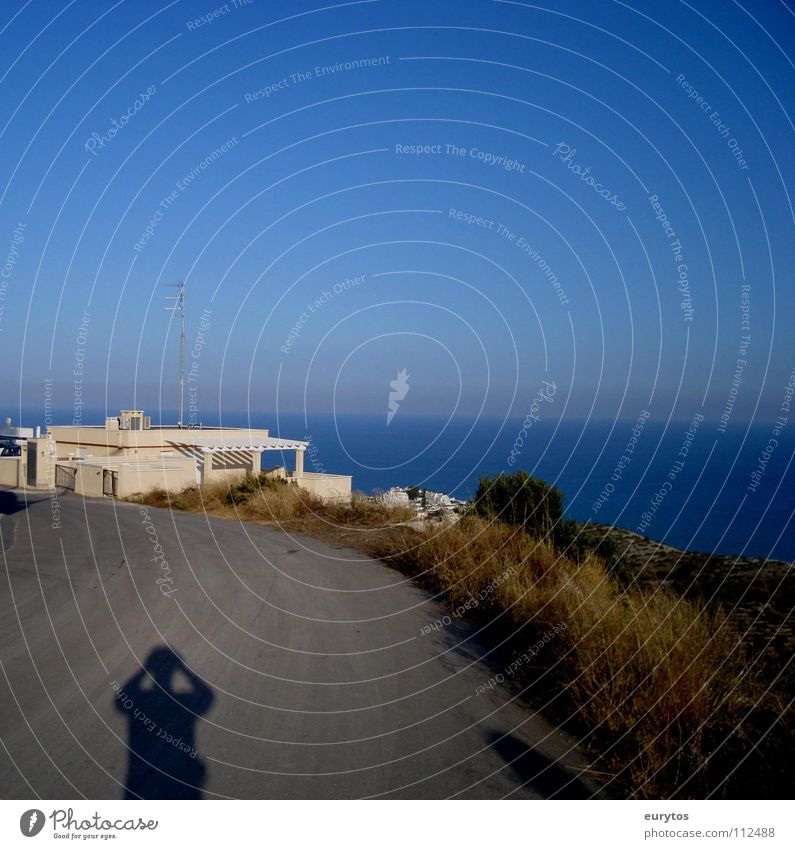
(653, 682)
(276, 503)
(655, 685)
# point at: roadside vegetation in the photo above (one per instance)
(659, 689)
(273, 501)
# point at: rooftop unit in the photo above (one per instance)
(134, 420)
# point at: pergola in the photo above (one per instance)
(272, 443)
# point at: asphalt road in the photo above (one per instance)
(278, 667)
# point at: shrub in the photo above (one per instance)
(537, 507)
(250, 485)
(579, 539)
(520, 499)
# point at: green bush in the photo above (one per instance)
(577, 540)
(520, 499)
(536, 506)
(250, 485)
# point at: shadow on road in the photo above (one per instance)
(541, 774)
(13, 502)
(162, 703)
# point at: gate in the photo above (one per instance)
(110, 482)
(65, 477)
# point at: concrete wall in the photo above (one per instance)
(330, 487)
(103, 442)
(95, 441)
(230, 466)
(173, 475)
(133, 481)
(13, 471)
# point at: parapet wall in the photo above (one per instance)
(328, 487)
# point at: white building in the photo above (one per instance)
(129, 455)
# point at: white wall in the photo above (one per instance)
(331, 487)
(12, 471)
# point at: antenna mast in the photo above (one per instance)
(179, 309)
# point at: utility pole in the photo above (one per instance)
(179, 309)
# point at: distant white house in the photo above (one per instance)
(395, 497)
(427, 502)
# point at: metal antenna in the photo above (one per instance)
(179, 309)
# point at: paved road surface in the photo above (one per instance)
(279, 667)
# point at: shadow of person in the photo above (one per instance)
(162, 703)
(548, 778)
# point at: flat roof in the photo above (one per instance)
(154, 427)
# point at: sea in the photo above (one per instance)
(694, 488)
(683, 483)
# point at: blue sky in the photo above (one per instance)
(265, 181)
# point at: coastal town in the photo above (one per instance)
(427, 504)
